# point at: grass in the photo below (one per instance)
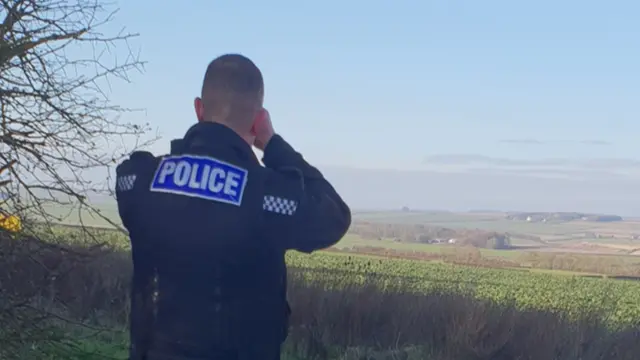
(117, 349)
(114, 346)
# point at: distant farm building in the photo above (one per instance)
(561, 217)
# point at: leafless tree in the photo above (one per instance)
(56, 123)
(56, 119)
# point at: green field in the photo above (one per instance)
(565, 293)
(540, 289)
(569, 296)
(617, 300)
(614, 301)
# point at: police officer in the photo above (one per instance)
(209, 227)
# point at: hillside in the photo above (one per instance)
(423, 234)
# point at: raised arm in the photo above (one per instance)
(302, 209)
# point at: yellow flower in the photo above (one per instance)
(10, 223)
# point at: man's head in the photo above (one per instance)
(232, 93)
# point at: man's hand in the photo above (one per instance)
(263, 130)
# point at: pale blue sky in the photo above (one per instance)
(407, 84)
(377, 83)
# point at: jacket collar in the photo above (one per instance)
(211, 137)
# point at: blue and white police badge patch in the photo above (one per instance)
(202, 177)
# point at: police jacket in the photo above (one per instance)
(209, 228)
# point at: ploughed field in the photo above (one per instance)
(613, 301)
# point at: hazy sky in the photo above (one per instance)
(532, 89)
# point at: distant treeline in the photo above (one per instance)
(561, 216)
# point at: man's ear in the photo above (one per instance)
(199, 107)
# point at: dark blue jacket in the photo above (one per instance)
(209, 228)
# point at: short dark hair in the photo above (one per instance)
(232, 88)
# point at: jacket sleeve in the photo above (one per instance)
(302, 210)
(128, 185)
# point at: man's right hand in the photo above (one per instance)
(263, 130)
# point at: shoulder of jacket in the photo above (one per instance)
(287, 172)
(142, 157)
(134, 169)
(135, 159)
(286, 178)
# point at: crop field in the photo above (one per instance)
(615, 302)
(569, 295)
(565, 292)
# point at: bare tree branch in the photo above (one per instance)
(56, 118)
